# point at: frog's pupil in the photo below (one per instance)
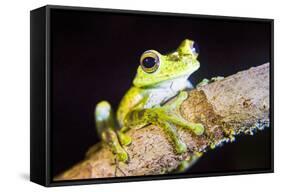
(149, 62)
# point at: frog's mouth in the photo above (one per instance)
(161, 81)
(178, 80)
(144, 80)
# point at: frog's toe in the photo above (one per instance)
(181, 148)
(122, 156)
(203, 83)
(110, 138)
(124, 139)
(198, 128)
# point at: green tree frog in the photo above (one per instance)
(159, 78)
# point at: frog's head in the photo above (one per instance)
(156, 68)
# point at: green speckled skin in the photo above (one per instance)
(143, 102)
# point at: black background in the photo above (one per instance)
(94, 57)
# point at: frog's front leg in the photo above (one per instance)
(172, 117)
(166, 118)
(107, 130)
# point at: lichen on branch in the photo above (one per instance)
(238, 104)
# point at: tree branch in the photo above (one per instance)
(238, 104)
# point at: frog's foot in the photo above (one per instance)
(116, 141)
(111, 139)
(208, 81)
(165, 117)
(203, 82)
(106, 130)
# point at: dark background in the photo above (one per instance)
(94, 57)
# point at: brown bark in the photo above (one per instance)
(235, 105)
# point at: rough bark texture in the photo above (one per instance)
(238, 104)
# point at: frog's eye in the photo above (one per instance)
(150, 61)
(195, 48)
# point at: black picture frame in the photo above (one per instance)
(40, 129)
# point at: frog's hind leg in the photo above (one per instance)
(105, 125)
(123, 137)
